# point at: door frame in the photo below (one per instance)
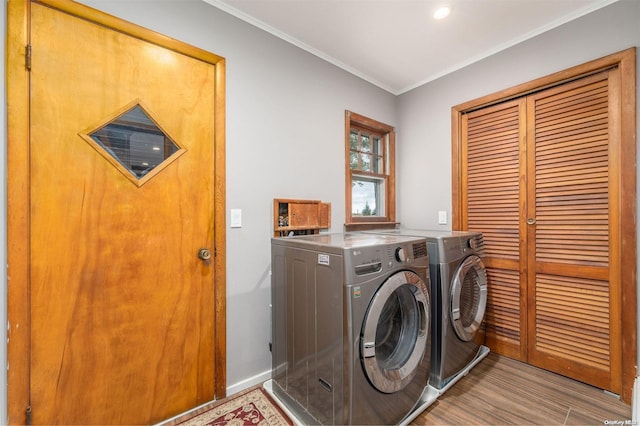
(625, 61)
(18, 207)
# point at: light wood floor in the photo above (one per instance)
(502, 391)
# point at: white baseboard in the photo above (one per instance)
(247, 383)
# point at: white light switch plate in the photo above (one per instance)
(236, 218)
(442, 217)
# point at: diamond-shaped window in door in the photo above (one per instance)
(135, 144)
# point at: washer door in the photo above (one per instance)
(468, 297)
(395, 332)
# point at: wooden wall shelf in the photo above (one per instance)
(300, 217)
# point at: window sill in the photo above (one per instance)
(365, 226)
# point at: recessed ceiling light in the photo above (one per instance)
(441, 12)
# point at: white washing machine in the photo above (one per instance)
(351, 341)
(459, 294)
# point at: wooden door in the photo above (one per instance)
(574, 298)
(121, 307)
(544, 177)
(494, 153)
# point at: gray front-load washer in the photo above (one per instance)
(459, 300)
(350, 326)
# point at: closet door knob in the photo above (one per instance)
(531, 221)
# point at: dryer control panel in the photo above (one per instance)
(457, 247)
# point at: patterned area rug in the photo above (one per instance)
(252, 408)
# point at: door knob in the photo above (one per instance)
(204, 254)
(531, 221)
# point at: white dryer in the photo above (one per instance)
(459, 294)
(351, 341)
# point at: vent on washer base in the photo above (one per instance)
(419, 250)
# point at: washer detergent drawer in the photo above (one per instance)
(307, 355)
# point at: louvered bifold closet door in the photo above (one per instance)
(574, 317)
(493, 148)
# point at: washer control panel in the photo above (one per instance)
(378, 259)
(400, 255)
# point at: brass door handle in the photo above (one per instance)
(204, 254)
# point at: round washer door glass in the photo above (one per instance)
(468, 297)
(395, 332)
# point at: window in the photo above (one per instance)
(135, 141)
(370, 173)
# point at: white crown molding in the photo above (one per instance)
(360, 74)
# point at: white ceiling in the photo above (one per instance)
(396, 44)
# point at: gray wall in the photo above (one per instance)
(285, 124)
(285, 139)
(424, 114)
